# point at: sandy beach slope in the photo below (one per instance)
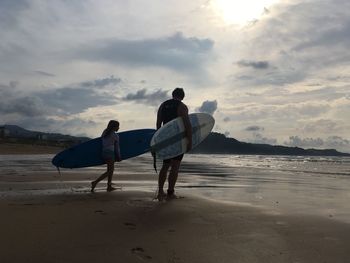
(128, 226)
(15, 148)
(42, 222)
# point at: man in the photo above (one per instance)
(169, 110)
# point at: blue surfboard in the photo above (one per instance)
(132, 143)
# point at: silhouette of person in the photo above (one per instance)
(110, 153)
(169, 110)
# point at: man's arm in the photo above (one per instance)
(159, 117)
(183, 112)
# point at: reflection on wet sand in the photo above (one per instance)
(279, 184)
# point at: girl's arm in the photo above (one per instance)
(117, 148)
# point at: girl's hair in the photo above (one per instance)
(110, 127)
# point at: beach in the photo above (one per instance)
(47, 217)
(14, 148)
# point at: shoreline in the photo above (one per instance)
(17, 148)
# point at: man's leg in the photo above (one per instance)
(175, 165)
(162, 178)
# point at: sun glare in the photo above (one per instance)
(241, 12)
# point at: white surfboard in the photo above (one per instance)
(170, 140)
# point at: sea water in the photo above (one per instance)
(278, 184)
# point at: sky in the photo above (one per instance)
(269, 71)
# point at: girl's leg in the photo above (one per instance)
(94, 183)
(103, 176)
(110, 171)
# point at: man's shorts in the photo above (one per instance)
(177, 158)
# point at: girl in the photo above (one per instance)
(110, 153)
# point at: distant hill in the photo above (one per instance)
(217, 143)
(15, 133)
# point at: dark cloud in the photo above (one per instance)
(176, 52)
(102, 82)
(65, 100)
(26, 106)
(254, 128)
(254, 64)
(150, 98)
(208, 107)
(9, 10)
(43, 73)
(74, 100)
(336, 35)
(7, 91)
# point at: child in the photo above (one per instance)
(110, 153)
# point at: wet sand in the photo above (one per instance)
(128, 226)
(52, 218)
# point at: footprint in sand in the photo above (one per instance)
(131, 226)
(101, 212)
(140, 253)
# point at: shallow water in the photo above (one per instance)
(279, 184)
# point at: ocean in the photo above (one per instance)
(278, 184)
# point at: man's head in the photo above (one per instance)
(178, 93)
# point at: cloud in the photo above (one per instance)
(338, 142)
(336, 35)
(66, 100)
(259, 138)
(102, 82)
(43, 73)
(26, 106)
(176, 52)
(208, 107)
(254, 64)
(74, 100)
(9, 9)
(322, 125)
(81, 96)
(254, 128)
(333, 142)
(296, 141)
(142, 96)
(295, 37)
(74, 126)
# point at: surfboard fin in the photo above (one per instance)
(154, 161)
(59, 171)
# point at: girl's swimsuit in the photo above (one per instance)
(110, 147)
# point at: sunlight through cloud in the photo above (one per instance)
(241, 12)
